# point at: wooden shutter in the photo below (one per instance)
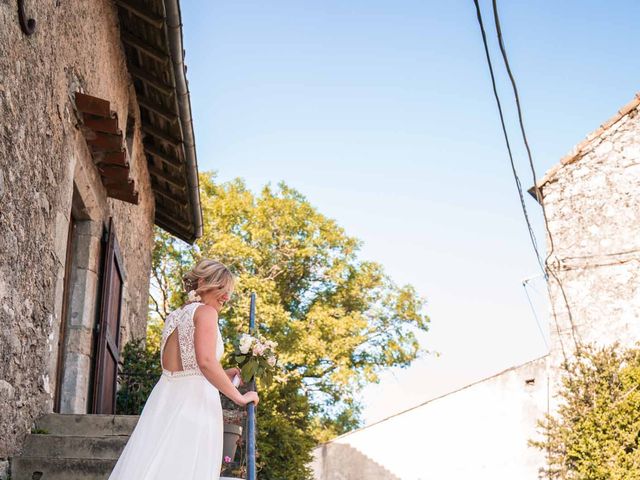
(108, 326)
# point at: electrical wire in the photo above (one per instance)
(535, 315)
(544, 266)
(549, 270)
(506, 139)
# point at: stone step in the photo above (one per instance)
(86, 425)
(37, 468)
(72, 446)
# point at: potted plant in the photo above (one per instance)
(234, 420)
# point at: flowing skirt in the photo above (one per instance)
(179, 433)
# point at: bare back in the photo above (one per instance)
(171, 359)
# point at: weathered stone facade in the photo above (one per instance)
(43, 158)
(592, 201)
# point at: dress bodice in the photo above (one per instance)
(182, 319)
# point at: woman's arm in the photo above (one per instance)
(205, 320)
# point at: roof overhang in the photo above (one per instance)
(583, 147)
(151, 33)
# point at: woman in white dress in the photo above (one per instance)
(180, 430)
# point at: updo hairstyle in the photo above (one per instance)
(208, 275)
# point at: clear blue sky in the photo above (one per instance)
(381, 113)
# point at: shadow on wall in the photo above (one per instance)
(339, 461)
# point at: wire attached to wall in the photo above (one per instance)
(546, 266)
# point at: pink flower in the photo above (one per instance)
(227, 459)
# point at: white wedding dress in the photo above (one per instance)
(180, 431)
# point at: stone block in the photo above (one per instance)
(87, 254)
(75, 383)
(61, 233)
(79, 340)
(83, 299)
(87, 425)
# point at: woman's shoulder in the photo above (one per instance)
(202, 310)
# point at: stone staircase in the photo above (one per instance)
(73, 447)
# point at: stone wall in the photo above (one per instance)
(479, 432)
(42, 155)
(592, 201)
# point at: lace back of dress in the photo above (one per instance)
(181, 321)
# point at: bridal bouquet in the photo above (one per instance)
(256, 356)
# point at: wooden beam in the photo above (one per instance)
(93, 105)
(149, 17)
(114, 172)
(157, 109)
(152, 80)
(160, 134)
(177, 182)
(176, 198)
(172, 220)
(162, 156)
(112, 158)
(102, 124)
(105, 142)
(144, 46)
(124, 195)
(125, 185)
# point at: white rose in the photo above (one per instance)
(271, 361)
(245, 343)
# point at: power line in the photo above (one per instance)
(525, 284)
(549, 268)
(544, 266)
(532, 235)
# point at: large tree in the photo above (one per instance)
(338, 320)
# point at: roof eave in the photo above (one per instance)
(578, 151)
(174, 25)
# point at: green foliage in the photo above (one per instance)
(595, 434)
(283, 426)
(140, 370)
(338, 320)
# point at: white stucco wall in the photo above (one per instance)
(478, 432)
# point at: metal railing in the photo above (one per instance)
(251, 408)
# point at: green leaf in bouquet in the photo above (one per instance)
(246, 371)
(240, 358)
(268, 378)
(254, 368)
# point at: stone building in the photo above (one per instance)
(96, 147)
(592, 202)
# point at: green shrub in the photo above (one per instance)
(139, 371)
(595, 434)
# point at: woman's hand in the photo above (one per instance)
(232, 372)
(248, 398)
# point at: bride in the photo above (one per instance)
(179, 433)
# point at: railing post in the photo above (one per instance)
(251, 408)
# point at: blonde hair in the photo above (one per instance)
(209, 275)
